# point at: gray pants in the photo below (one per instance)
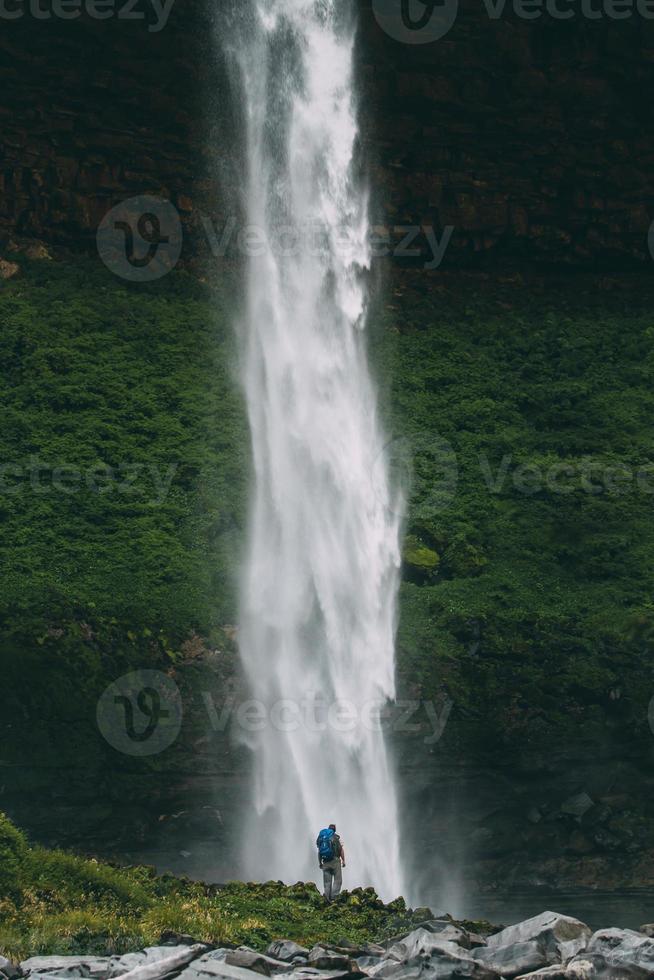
(332, 875)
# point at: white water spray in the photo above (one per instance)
(319, 589)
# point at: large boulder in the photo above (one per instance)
(423, 942)
(560, 936)
(9, 970)
(620, 953)
(212, 966)
(71, 967)
(321, 958)
(557, 972)
(444, 962)
(287, 951)
(511, 961)
(155, 958)
(249, 959)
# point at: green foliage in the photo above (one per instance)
(123, 448)
(528, 575)
(540, 404)
(13, 847)
(69, 905)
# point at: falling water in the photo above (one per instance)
(320, 579)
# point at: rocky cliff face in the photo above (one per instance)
(531, 139)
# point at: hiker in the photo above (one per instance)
(331, 859)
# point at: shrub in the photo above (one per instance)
(13, 850)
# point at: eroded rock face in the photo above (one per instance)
(511, 961)
(536, 949)
(616, 953)
(560, 936)
(286, 950)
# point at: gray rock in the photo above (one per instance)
(286, 950)
(615, 953)
(321, 958)
(120, 965)
(422, 943)
(446, 929)
(561, 936)
(511, 961)
(577, 805)
(547, 973)
(9, 970)
(583, 969)
(307, 973)
(212, 965)
(648, 929)
(218, 969)
(450, 962)
(163, 966)
(97, 967)
(366, 963)
(249, 959)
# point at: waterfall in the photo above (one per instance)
(319, 586)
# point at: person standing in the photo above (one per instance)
(331, 860)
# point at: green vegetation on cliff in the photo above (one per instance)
(58, 903)
(528, 581)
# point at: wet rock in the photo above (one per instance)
(95, 967)
(164, 966)
(560, 936)
(615, 952)
(179, 956)
(287, 951)
(557, 972)
(9, 970)
(648, 929)
(511, 961)
(248, 959)
(212, 964)
(422, 943)
(449, 962)
(326, 959)
(577, 805)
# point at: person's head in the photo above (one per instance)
(332, 826)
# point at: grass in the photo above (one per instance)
(56, 903)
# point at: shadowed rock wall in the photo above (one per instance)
(533, 139)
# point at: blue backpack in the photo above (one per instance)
(325, 844)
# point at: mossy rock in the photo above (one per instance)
(419, 556)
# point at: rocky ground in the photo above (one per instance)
(552, 946)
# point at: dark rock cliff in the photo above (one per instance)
(532, 138)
